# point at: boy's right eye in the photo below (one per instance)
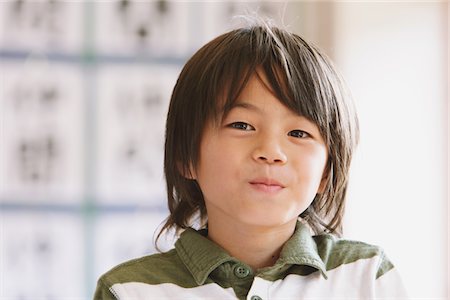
(241, 126)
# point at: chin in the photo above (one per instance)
(268, 221)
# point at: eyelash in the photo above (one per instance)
(241, 126)
(303, 133)
(247, 127)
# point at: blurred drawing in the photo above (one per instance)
(41, 112)
(42, 255)
(28, 25)
(36, 159)
(142, 27)
(132, 108)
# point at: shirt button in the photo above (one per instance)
(255, 298)
(241, 272)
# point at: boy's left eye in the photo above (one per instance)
(298, 134)
(241, 126)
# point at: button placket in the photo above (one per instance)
(259, 289)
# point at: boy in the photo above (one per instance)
(259, 138)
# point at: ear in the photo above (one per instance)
(188, 173)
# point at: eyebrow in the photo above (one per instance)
(245, 105)
(251, 107)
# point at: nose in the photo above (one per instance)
(269, 151)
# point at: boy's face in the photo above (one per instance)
(263, 164)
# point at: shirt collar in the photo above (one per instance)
(202, 256)
(301, 249)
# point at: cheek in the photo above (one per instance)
(316, 153)
(217, 165)
(213, 156)
(311, 166)
(319, 163)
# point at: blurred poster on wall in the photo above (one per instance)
(157, 28)
(41, 108)
(42, 256)
(132, 107)
(45, 25)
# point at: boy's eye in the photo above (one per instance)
(241, 126)
(298, 134)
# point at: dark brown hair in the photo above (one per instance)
(301, 77)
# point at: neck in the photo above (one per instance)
(257, 246)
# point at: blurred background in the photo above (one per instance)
(84, 88)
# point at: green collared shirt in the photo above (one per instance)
(308, 267)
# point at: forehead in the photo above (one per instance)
(258, 96)
(254, 86)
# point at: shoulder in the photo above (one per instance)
(151, 269)
(337, 252)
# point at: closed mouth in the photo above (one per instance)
(267, 181)
(266, 185)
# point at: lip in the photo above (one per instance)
(267, 185)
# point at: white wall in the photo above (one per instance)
(393, 56)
